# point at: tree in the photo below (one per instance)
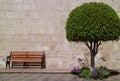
(92, 23)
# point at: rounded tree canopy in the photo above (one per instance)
(93, 22)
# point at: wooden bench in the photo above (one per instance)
(27, 58)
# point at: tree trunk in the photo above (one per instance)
(93, 47)
(92, 60)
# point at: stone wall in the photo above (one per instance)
(39, 25)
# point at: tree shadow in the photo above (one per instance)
(113, 72)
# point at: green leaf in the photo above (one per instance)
(92, 21)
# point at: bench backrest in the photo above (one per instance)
(26, 56)
(18, 55)
(35, 56)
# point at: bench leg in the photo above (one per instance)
(42, 65)
(44, 61)
(24, 64)
(6, 64)
(27, 65)
(12, 65)
(9, 65)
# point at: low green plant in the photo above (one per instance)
(85, 73)
(103, 72)
(100, 73)
(96, 73)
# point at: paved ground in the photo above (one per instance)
(37, 74)
(47, 77)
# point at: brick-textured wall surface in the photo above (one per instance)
(39, 25)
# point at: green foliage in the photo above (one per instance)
(93, 22)
(102, 72)
(85, 73)
(96, 73)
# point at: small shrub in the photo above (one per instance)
(103, 72)
(85, 73)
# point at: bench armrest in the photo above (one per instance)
(8, 58)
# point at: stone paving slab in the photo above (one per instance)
(47, 77)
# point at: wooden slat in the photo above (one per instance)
(18, 52)
(26, 60)
(34, 60)
(32, 56)
(18, 60)
(35, 53)
(18, 56)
